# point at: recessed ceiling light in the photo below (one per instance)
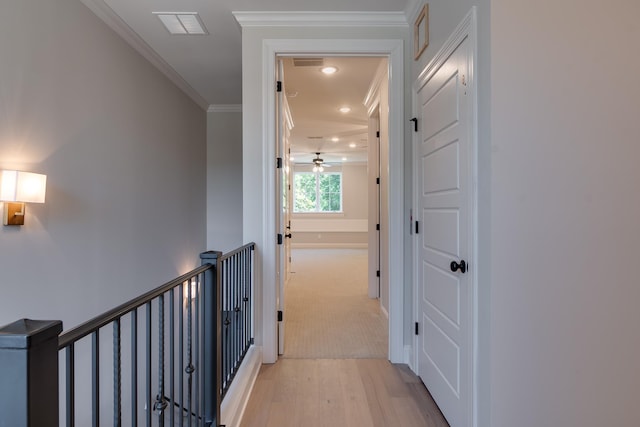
(292, 158)
(344, 159)
(345, 110)
(182, 22)
(329, 70)
(352, 145)
(335, 139)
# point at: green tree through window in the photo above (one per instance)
(317, 192)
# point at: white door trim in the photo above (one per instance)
(466, 29)
(393, 49)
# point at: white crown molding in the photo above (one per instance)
(321, 19)
(109, 17)
(372, 99)
(225, 108)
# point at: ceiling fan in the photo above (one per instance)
(319, 164)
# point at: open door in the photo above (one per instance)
(284, 124)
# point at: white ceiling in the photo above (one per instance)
(314, 100)
(209, 68)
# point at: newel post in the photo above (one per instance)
(29, 373)
(212, 367)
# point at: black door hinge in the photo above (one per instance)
(378, 273)
(378, 134)
(279, 238)
(378, 180)
(278, 86)
(417, 328)
(279, 315)
(378, 227)
(279, 163)
(417, 227)
(415, 124)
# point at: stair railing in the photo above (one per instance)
(180, 331)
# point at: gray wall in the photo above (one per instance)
(124, 151)
(224, 181)
(564, 213)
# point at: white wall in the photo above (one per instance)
(565, 206)
(124, 151)
(224, 181)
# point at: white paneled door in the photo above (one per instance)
(444, 285)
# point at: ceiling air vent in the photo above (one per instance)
(308, 62)
(182, 23)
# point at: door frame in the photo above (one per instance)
(466, 29)
(393, 50)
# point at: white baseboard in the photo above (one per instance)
(408, 358)
(384, 311)
(235, 401)
(329, 246)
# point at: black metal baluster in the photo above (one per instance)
(147, 405)
(95, 377)
(189, 369)
(224, 273)
(181, 361)
(172, 357)
(196, 351)
(237, 331)
(243, 281)
(229, 339)
(71, 386)
(251, 290)
(134, 367)
(247, 297)
(161, 403)
(117, 375)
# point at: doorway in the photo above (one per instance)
(392, 49)
(329, 113)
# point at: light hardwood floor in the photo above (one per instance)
(320, 381)
(340, 392)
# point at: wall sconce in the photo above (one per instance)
(18, 187)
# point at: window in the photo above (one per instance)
(317, 192)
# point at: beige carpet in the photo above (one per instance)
(328, 314)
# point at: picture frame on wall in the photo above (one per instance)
(421, 32)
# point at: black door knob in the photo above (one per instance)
(462, 266)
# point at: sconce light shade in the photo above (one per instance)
(17, 186)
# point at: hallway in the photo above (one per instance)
(335, 370)
(328, 314)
